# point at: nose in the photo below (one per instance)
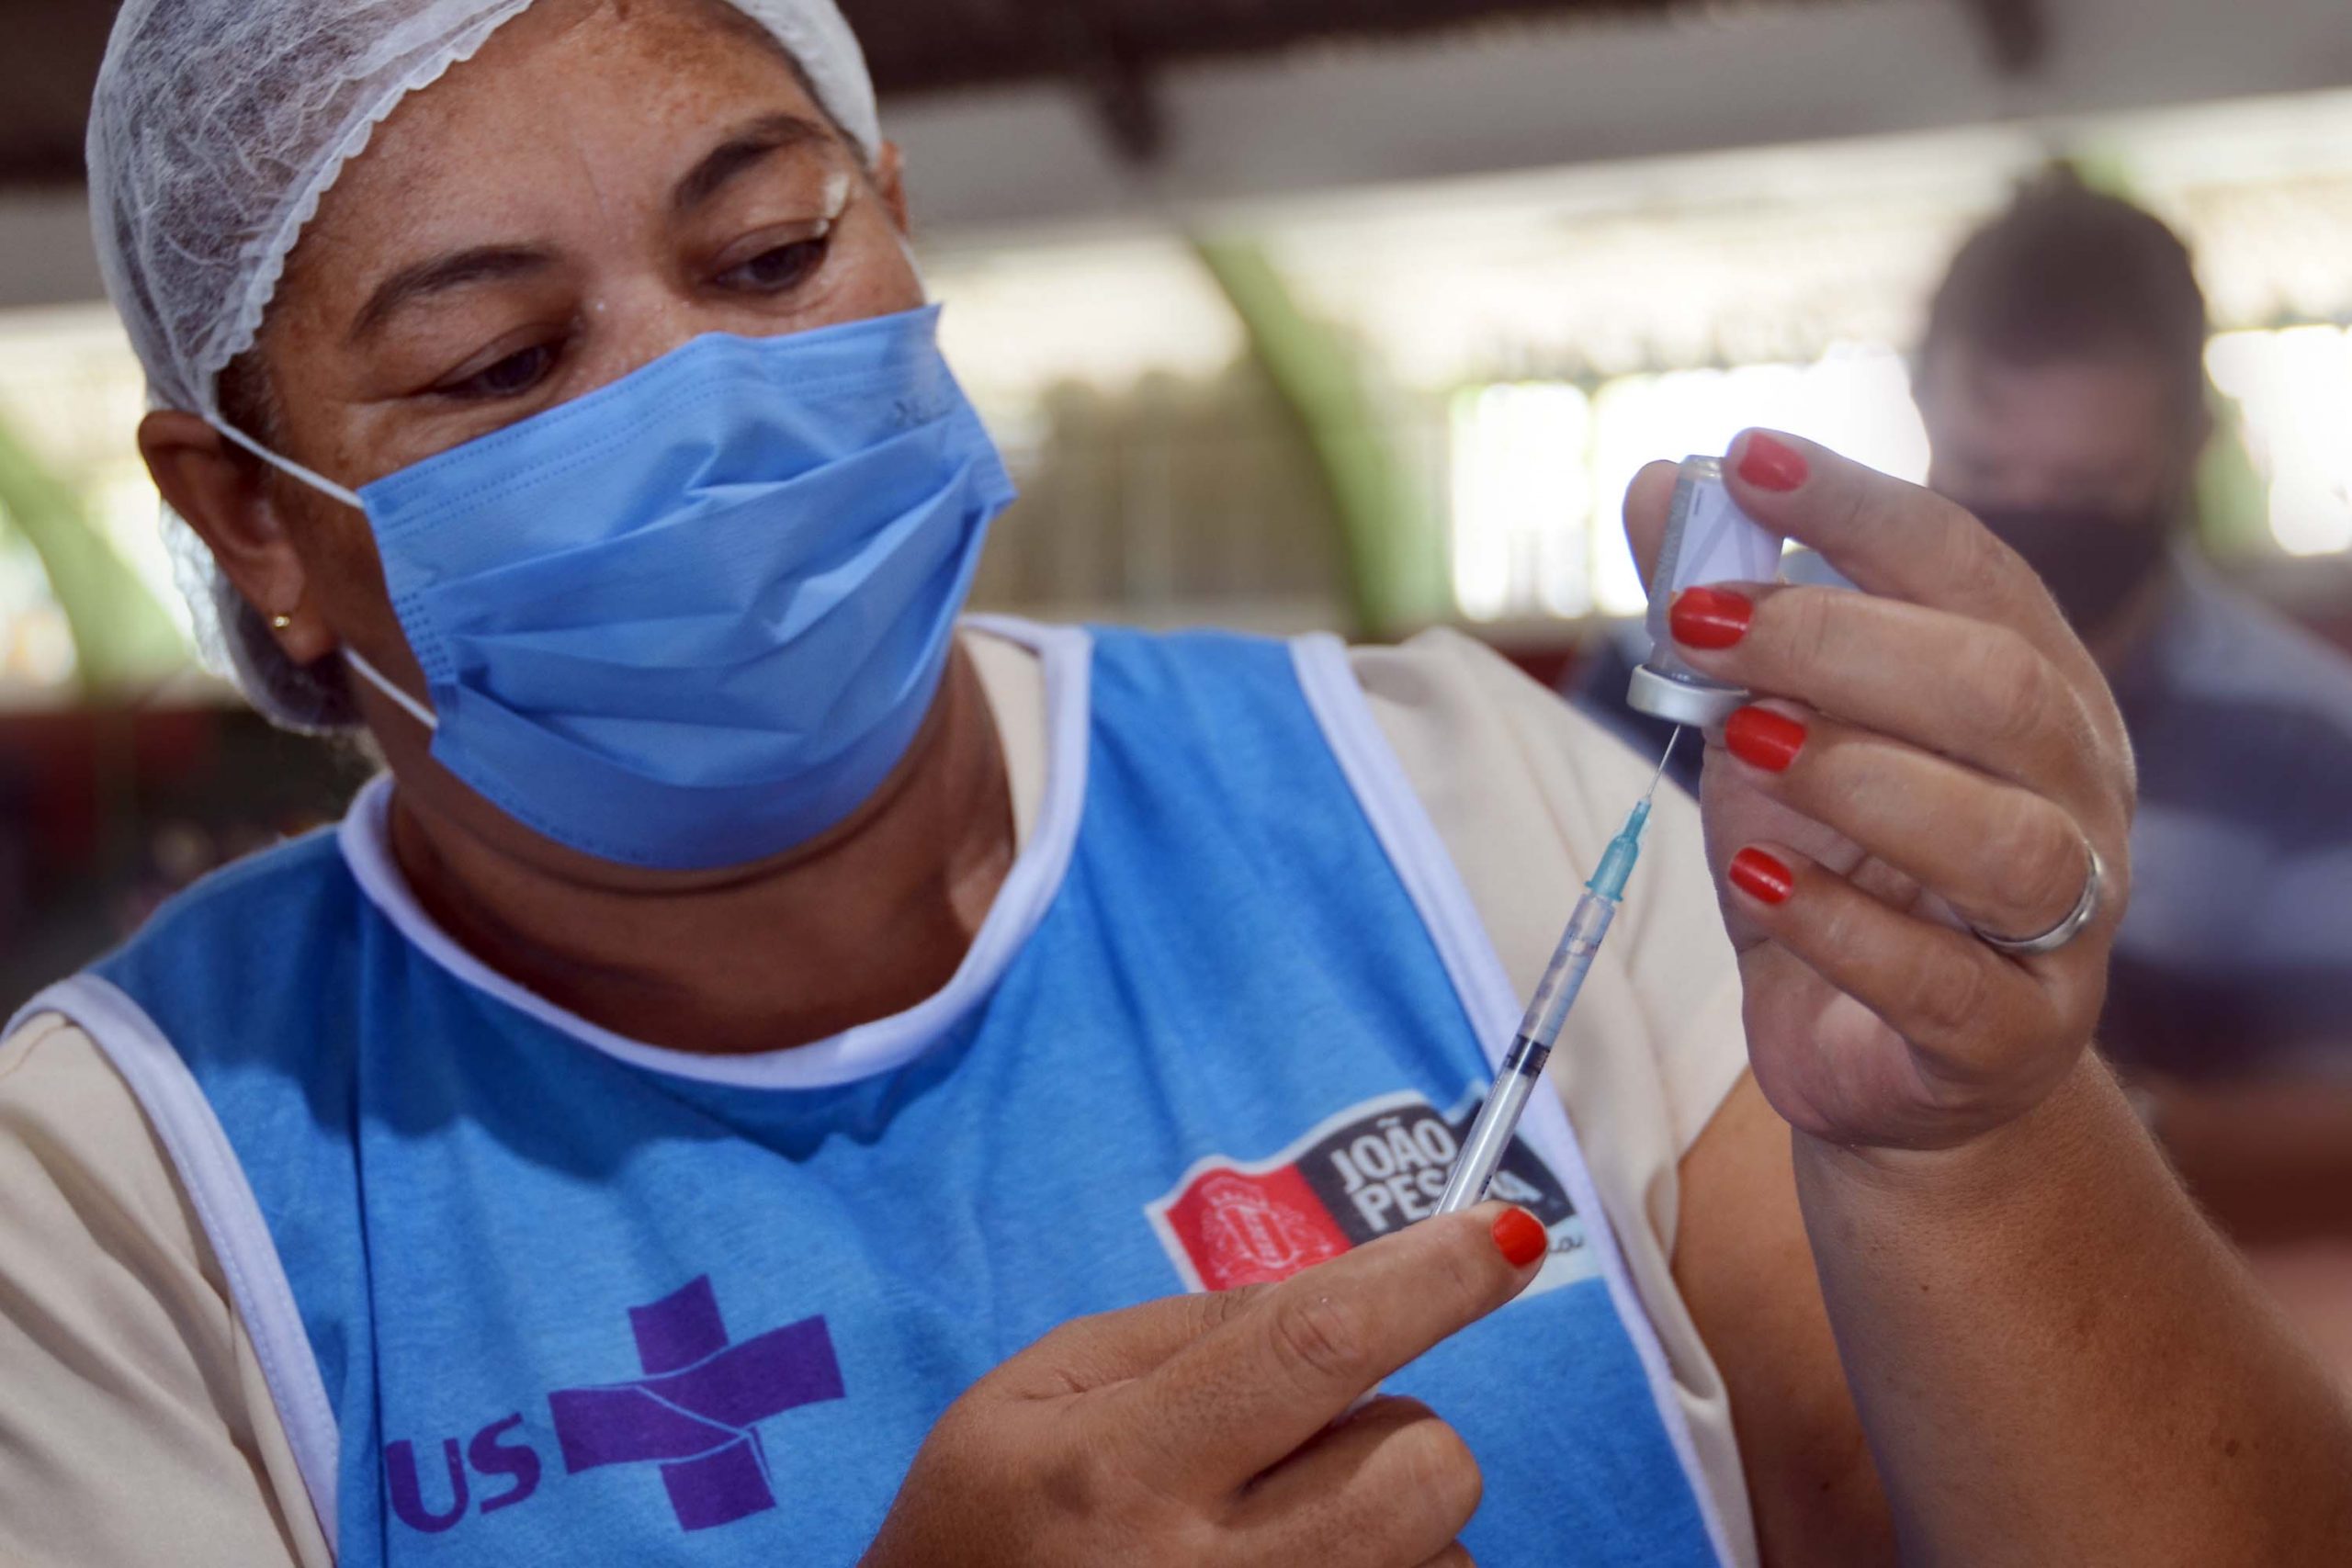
(631, 325)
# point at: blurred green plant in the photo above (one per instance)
(1394, 540)
(2232, 500)
(122, 638)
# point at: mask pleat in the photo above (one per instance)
(695, 617)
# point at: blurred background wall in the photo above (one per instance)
(1292, 313)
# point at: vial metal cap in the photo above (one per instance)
(1699, 704)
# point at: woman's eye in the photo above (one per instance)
(511, 377)
(773, 271)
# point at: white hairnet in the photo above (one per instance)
(218, 126)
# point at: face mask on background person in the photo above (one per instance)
(695, 617)
(2093, 560)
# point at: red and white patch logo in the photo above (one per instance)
(1367, 1171)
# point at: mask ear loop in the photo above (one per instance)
(375, 677)
(334, 491)
(914, 263)
(838, 191)
(287, 465)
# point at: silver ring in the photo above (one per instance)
(2065, 930)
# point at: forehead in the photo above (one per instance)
(566, 106)
(2118, 402)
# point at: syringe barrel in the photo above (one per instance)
(1490, 1135)
(1548, 1013)
(1523, 1069)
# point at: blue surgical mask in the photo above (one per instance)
(694, 618)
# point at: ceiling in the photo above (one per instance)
(1110, 50)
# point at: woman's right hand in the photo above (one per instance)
(1214, 1430)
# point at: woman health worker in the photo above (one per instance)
(772, 1076)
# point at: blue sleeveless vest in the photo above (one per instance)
(527, 1292)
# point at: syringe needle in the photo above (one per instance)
(1663, 764)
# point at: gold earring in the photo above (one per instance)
(281, 623)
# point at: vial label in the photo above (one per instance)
(1707, 540)
(1723, 544)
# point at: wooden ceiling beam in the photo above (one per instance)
(1117, 82)
(2015, 31)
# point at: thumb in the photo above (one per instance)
(1648, 502)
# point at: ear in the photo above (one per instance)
(225, 496)
(1930, 376)
(890, 180)
(2202, 428)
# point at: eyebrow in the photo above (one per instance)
(460, 269)
(744, 147)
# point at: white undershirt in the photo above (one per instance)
(135, 1426)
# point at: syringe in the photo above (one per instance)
(1523, 1069)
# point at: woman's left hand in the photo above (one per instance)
(1935, 753)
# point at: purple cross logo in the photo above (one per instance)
(695, 1410)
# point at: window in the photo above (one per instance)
(1539, 468)
(2294, 391)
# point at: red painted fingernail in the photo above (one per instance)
(1772, 465)
(1713, 618)
(1763, 739)
(1521, 1237)
(1761, 877)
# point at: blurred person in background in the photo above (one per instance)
(2062, 383)
(773, 1074)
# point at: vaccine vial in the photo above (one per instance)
(1707, 540)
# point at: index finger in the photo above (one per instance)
(1115, 1346)
(1892, 539)
(1247, 1394)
